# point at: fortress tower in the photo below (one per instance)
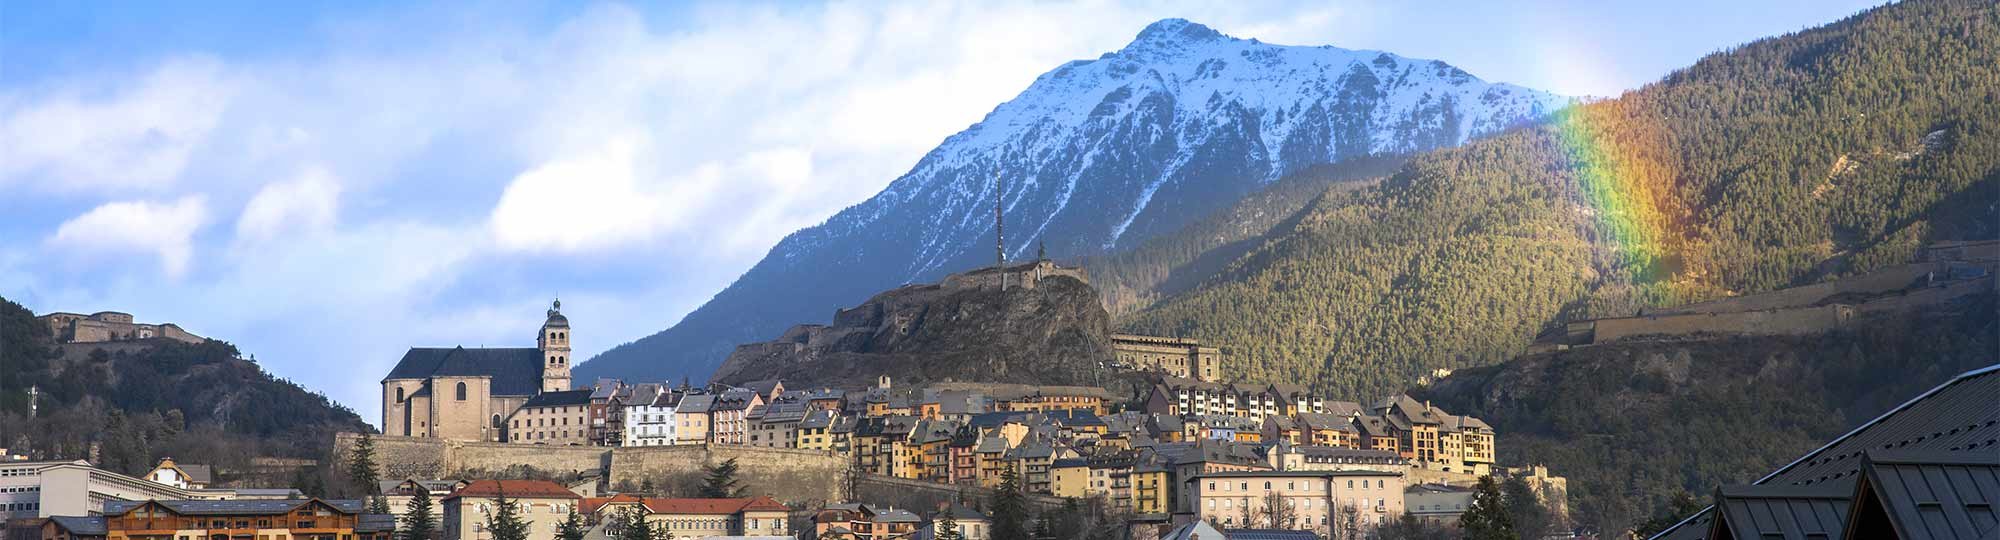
(554, 343)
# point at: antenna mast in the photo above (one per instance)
(999, 225)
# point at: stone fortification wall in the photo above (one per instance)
(423, 457)
(792, 476)
(1772, 322)
(1884, 281)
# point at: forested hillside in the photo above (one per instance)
(1166, 265)
(1630, 424)
(199, 403)
(1790, 160)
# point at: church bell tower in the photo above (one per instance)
(554, 343)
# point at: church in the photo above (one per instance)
(468, 394)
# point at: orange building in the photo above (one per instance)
(285, 519)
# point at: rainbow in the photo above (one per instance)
(1621, 170)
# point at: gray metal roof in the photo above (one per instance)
(1269, 534)
(1930, 494)
(1784, 512)
(1957, 416)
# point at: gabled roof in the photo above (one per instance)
(1269, 534)
(514, 489)
(817, 419)
(1343, 408)
(1782, 512)
(1928, 494)
(715, 506)
(696, 403)
(515, 371)
(1957, 416)
(236, 507)
(567, 398)
(81, 525)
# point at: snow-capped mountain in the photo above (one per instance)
(1095, 156)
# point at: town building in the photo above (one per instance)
(865, 522)
(692, 421)
(1174, 357)
(1437, 503)
(540, 504)
(303, 519)
(1316, 499)
(1290, 457)
(702, 518)
(970, 524)
(188, 476)
(467, 394)
(648, 415)
(729, 416)
(74, 528)
(557, 418)
(39, 489)
(397, 493)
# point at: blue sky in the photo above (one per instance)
(328, 183)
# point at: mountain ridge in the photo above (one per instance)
(1096, 156)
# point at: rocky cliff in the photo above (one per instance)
(1034, 323)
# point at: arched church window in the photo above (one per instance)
(461, 391)
(496, 421)
(399, 394)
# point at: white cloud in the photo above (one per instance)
(139, 137)
(166, 230)
(308, 203)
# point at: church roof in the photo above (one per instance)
(515, 371)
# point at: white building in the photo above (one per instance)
(32, 489)
(649, 416)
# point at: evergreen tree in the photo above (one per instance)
(947, 526)
(361, 466)
(721, 481)
(572, 527)
(1008, 508)
(1045, 528)
(1487, 519)
(378, 505)
(1531, 518)
(630, 524)
(418, 521)
(505, 521)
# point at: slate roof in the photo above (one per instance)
(237, 507)
(817, 419)
(1326, 421)
(541, 489)
(515, 371)
(696, 403)
(375, 523)
(896, 516)
(1783, 512)
(1930, 494)
(81, 525)
(559, 399)
(1343, 408)
(1268, 534)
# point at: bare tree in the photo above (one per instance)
(1278, 512)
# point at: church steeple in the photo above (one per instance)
(554, 343)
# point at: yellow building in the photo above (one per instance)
(1150, 489)
(1069, 477)
(816, 431)
(540, 504)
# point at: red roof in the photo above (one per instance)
(762, 503)
(523, 489)
(592, 504)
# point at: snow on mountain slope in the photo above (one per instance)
(1095, 156)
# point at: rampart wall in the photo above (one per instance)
(793, 476)
(918, 494)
